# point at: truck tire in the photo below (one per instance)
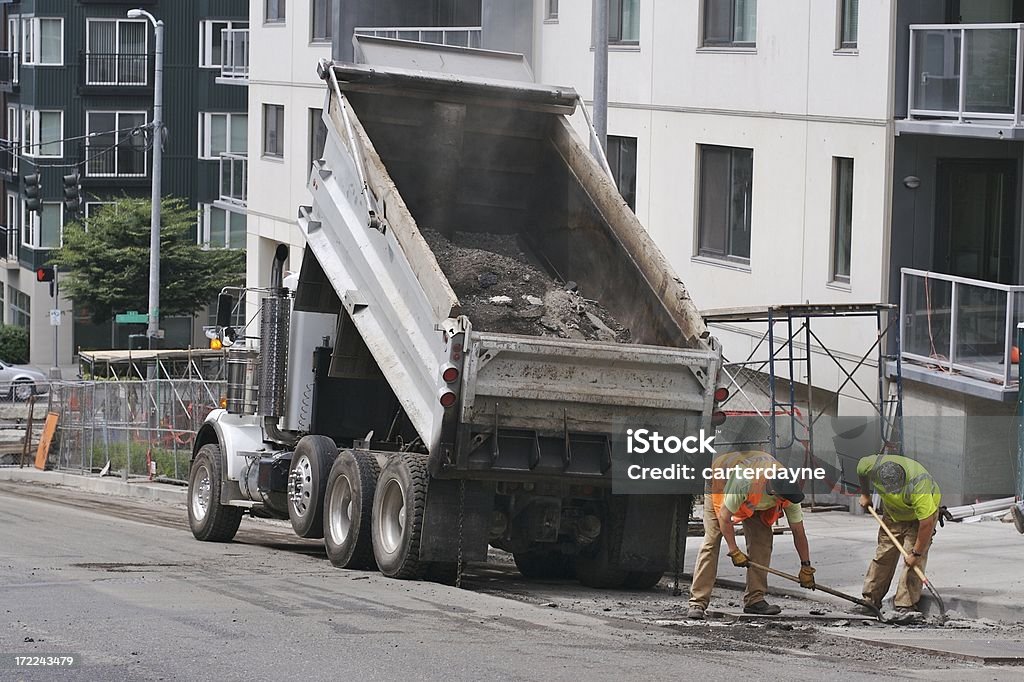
(545, 564)
(598, 565)
(307, 479)
(348, 510)
(209, 520)
(642, 580)
(398, 507)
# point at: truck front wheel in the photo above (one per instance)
(209, 520)
(398, 507)
(348, 508)
(307, 480)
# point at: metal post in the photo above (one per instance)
(962, 85)
(1020, 419)
(601, 73)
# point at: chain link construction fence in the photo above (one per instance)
(138, 428)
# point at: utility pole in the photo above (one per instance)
(601, 74)
(153, 330)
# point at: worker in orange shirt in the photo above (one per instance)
(757, 502)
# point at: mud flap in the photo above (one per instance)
(439, 540)
(647, 530)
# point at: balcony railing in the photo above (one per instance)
(10, 65)
(126, 160)
(461, 36)
(234, 56)
(116, 69)
(960, 325)
(967, 72)
(233, 182)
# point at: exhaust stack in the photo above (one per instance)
(274, 328)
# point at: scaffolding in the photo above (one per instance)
(135, 365)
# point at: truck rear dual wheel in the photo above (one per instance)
(348, 510)
(398, 507)
(307, 481)
(209, 520)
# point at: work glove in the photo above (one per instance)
(865, 502)
(807, 577)
(739, 558)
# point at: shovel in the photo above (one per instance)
(827, 590)
(906, 555)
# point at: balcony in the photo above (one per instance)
(10, 66)
(111, 73)
(960, 330)
(459, 36)
(118, 162)
(234, 56)
(233, 179)
(967, 75)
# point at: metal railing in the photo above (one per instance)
(960, 325)
(966, 72)
(233, 183)
(126, 160)
(116, 69)
(10, 68)
(234, 56)
(461, 36)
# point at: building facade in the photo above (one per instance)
(77, 78)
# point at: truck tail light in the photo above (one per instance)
(717, 418)
(450, 374)
(448, 398)
(721, 394)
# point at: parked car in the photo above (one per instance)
(20, 382)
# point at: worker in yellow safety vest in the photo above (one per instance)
(757, 502)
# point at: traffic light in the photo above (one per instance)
(74, 202)
(47, 273)
(32, 192)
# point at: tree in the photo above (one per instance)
(106, 269)
(13, 344)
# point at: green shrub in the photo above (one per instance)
(13, 344)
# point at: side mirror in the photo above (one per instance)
(225, 306)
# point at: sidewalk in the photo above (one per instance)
(977, 568)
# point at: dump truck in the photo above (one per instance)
(371, 413)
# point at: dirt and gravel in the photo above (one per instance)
(503, 289)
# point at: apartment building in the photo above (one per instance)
(72, 69)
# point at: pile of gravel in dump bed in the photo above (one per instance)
(501, 290)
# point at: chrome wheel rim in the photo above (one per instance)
(300, 486)
(339, 502)
(23, 391)
(392, 513)
(202, 491)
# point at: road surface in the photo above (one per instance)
(123, 585)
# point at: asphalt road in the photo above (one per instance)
(124, 586)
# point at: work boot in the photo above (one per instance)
(762, 608)
(862, 610)
(695, 613)
(906, 615)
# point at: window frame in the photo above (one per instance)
(205, 151)
(551, 10)
(732, 43)
(118, 113)
(118, 54)
(329, 27)
(14, 202)
(206, 51)
(204, 232)
(616, 23)
(280, 17)
(19, 303)
(705, 252)
(31, 56)
(267, 107)
(32, 226)
(841, 211)
(315, 117)
(33, 140)
(615, 163)
(842, 44)
(14, 133)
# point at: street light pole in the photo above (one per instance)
(600, 30)
(153, 329)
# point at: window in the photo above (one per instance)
(43, 231)
(117, 144)
(223, 133)
(14, 133)
(842, 218)
(622, 160)
(317, 135)
(849, 18)
(275, 11)
(20, 307)
(13, 225)
(551, 9)
(730, 23)
(322, 20)
(115, 52)
(42, 133)
(221, 228)
(211, 41)
(726, 178)
(94, 207)
(42, 41)
(273, 130)
(623, 21)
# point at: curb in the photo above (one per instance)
(108, 485)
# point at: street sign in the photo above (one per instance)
(55, 317)
(131, 317)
